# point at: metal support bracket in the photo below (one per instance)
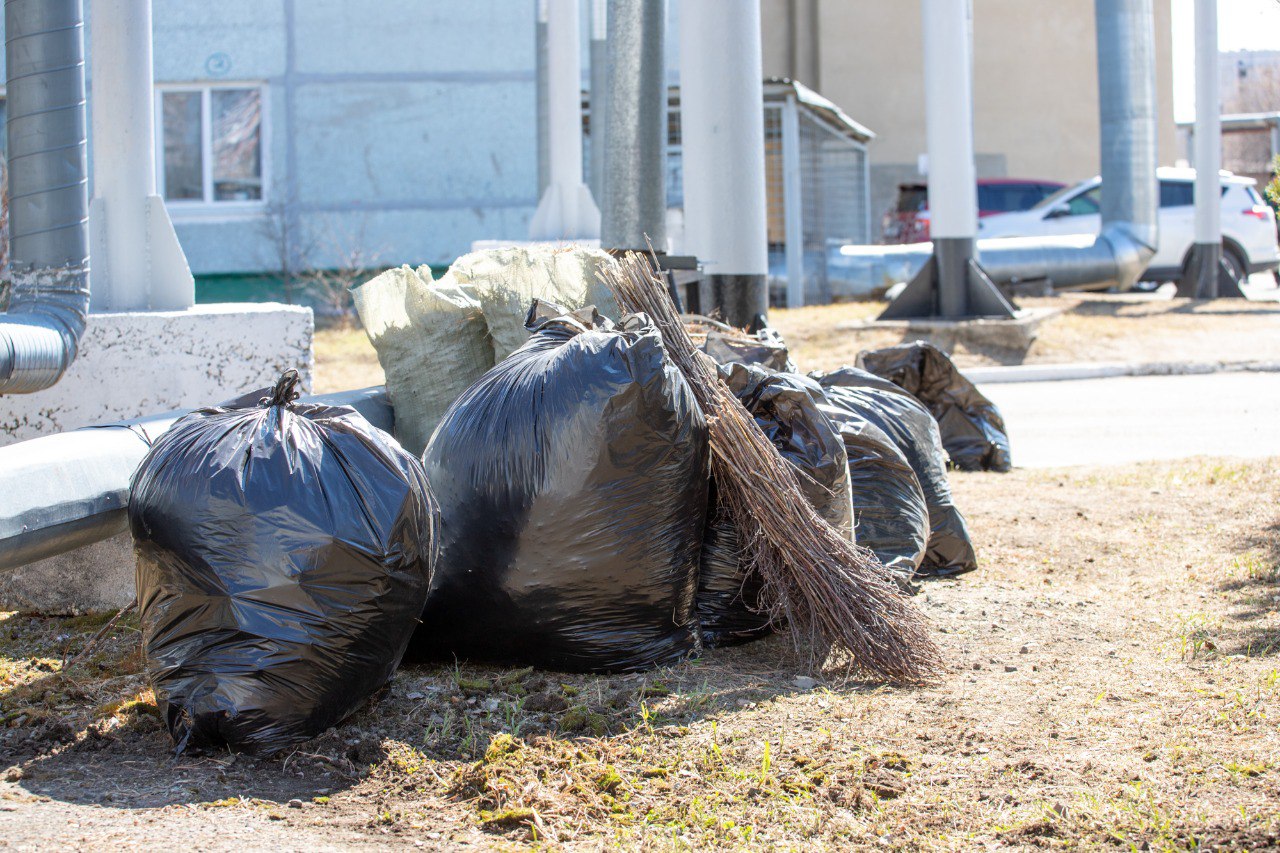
(923, 296)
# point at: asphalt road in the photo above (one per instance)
(1130, 419)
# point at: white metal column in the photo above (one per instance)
(1206, 276)
(137, 262)
(567, 210)
(1208, 135)
(722, 139)
(948, 100)
(792, 202)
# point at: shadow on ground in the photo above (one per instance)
(73, 747)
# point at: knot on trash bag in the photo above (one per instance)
(286, 390)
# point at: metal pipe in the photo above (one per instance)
(540, 94)
(566, 210)
(635, 137)
(722, 143)
(599, 58)
(62, 492)
(793, 202)
(1127, 113)
(48, 201)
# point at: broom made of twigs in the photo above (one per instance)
(836, 596)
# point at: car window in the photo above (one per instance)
(1252, 193)
(912, 198)
(1177, 194)
(1085, 203)
(1008, 197)
(1056, 197)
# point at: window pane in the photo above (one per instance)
(1177, 194)
(237, 144)
(183, 164)
(1085, 203)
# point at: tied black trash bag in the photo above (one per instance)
(572, 479)
(908, 423)
(972, 428)
(888, 503)
(788, 408)
(284, 553)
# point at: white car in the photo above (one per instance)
(1248, 224)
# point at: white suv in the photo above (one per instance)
(1248, 224)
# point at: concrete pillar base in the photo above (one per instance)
(952, 286)
(1207, 275)
(739, 299)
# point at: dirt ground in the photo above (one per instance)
(1114, 682)
(1088, 327)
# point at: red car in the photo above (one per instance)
(908, 222)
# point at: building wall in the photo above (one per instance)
(1035, 83)
(403, 127)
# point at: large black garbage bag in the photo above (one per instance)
(908, 423)
(572, 479)
(788, 408)
(888, 503)
(973, 430)
(284, 553)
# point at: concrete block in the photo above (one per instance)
(94, 579)
(135, 363)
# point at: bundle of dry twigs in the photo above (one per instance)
(834, 595)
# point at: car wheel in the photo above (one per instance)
(1239, 270)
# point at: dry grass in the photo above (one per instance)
(1116, 683)
(345, 360)
(1090, 327)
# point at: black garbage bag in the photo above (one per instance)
(284, 553)
(572, 479)
(888, 503)
(765, 348)
(972, 428)
(788, 408)
(909, 425)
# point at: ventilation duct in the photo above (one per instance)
(48, 200)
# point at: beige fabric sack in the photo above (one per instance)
(432, 343)
(506, 281)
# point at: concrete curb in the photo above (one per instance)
(1104, 370)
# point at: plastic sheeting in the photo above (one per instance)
(788, 408)
(284, 554)
(766, 350)
(573, 487)
(908, 423)
(973, 431)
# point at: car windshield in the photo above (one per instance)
(1051, 200)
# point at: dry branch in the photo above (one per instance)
(835, 596)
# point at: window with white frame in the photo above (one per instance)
(210, 144)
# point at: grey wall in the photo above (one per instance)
(405, 125)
